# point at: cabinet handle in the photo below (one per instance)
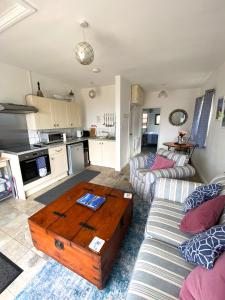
(59, 150)
(52, 158)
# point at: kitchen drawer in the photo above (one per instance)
(56, 150)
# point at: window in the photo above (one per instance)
(144, 120)
(157, 119)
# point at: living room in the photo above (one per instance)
(76, 78)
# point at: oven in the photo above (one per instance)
(28, 165)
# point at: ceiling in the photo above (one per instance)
(151, 42)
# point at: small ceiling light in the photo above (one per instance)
(84, 51)
(92, 94)
(163, 94)
(96, 70)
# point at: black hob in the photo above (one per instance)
(19, 148)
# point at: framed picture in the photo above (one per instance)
(219, 110)
(157, 119)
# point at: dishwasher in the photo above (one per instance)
(75, 153)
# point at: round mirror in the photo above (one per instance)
(178, 117)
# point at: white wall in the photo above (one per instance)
(210, 161)
(16, 83)
(182, 98)
(94, 109)
(123, 98)
(51, 86)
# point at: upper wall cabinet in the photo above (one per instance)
(43, 119)
(52, 114)
(73, 115)
(137, 94)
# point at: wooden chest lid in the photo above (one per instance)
(78, 225)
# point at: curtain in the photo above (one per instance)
(196, 118)
(202, 129)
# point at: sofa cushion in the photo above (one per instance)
(204, 248)
(150, 160)
(180, 159)
(204, 216)
(201, 194)
(164, 221)
(158, 273)
(202, 284)
(162, 163)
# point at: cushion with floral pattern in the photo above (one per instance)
(204, 248)
(201, 194)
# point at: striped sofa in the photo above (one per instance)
(143, 180)
(159, 269)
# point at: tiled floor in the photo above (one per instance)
(15, 239)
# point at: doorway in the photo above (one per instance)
(150, 129)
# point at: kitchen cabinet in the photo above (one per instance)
(59, 115)
(102, 153)
(73, 114)
(42, 119)
(53, 113)
(58, 161)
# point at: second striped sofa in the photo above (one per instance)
(159, 269)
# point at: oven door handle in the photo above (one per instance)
(30, 160)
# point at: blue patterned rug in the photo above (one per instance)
(56, 282)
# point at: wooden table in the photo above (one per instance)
(187, 147)
(64, 230)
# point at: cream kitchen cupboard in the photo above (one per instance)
(102, 153)
(59, 115)
(52, 113)
(58, 161)
(73, 114)
(43, 119)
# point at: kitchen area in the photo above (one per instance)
(44, 142)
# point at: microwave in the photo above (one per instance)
(51, 137)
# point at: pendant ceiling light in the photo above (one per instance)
(84, 51)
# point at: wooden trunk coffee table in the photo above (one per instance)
(64, 230)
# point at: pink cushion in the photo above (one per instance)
(203, 284)
(162, 163)
(204, 216)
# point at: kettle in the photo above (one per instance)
(79, 133)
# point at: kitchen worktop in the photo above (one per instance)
(44, 146)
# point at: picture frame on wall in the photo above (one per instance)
(219, 109)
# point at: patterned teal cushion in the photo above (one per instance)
(204, 248)
(150, 160)
(201, 194)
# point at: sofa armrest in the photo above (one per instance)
(176, 172)
(137, 162)
(174, 189)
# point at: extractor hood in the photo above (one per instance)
(11, 108)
